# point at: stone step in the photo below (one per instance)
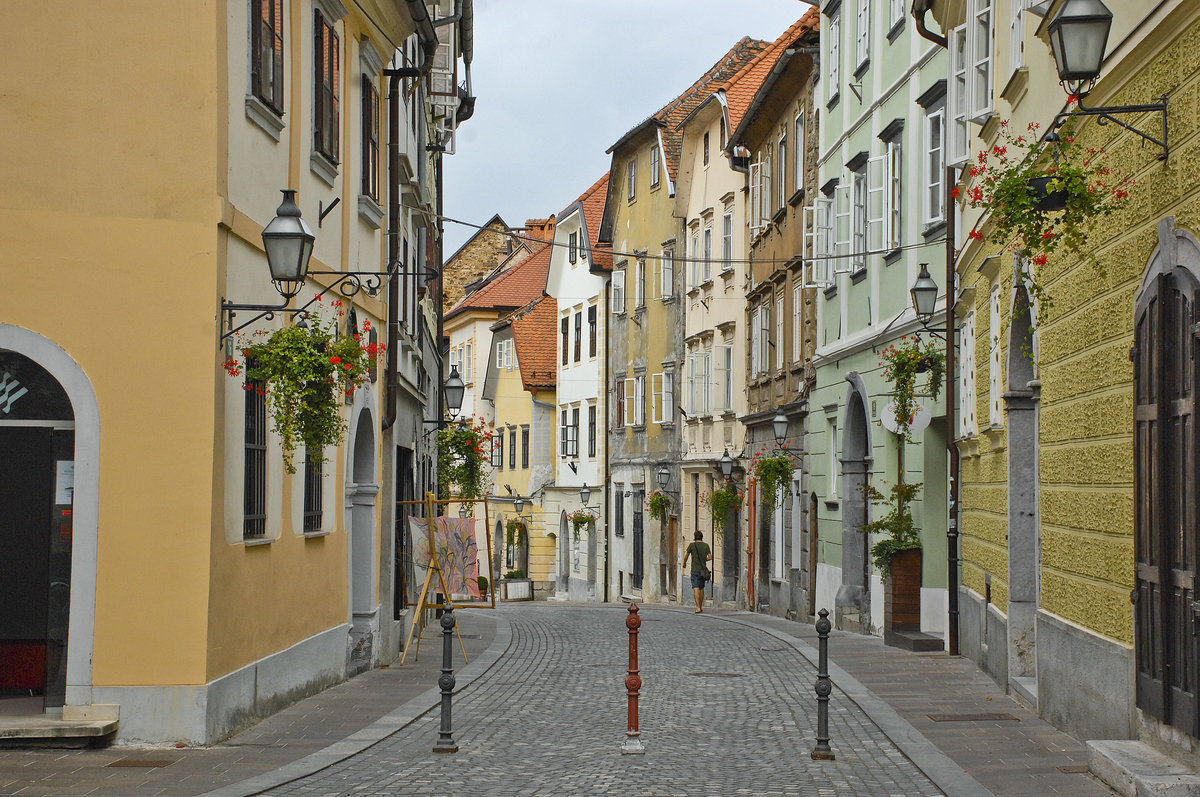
(43, 731)
(1135, 769)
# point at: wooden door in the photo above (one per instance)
(1164, 486)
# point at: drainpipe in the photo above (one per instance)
(951, 445)
(606, 293)
(919, 9)
(429, 42)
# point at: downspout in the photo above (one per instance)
(951, 445)
(919, 9)
(607, 292)
(429, 42)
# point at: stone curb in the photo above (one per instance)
(377, 731)
(937, 766)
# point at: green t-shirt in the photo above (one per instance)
(699, 555)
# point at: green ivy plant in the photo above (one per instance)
(773, 475)
(720, 503)
(515, 532)
(1035, 215)
(898, 531)
(512, 574)
(659, 505)
(581, 519)
(902, 363)
(304, 370)
(463, 454)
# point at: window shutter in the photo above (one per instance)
(841, 227)
(755, 192)
(668, 397)
(629, 405)
(980, 47)
(656, 403)
(877, 212)
(957, 98)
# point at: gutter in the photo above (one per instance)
(429, 42)
(919, 9)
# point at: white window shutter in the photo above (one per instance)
(629, 399)
(755, 193)
(656, 405)
(876, 211)
(841, 227)
(957, 99)
(980, 48)
(668, 397)
(995, 377)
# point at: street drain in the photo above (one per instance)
(1074, 769)
(141, 762)
(984, 717)
(716, 674)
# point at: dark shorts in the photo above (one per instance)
(697, 581)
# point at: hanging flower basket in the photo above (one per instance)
(581, 519)
(902, 362)
(1043, 193)
(463, 455)
(659, 505)
(304, 371)
(721, 503)
(515, 532)
(773, 475)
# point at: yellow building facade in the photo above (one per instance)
(139, 201)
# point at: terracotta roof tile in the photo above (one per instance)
(741, 88)
(515, 287)
(534, 330)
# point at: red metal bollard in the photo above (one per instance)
(633, 682)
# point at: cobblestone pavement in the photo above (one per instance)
(726, 709)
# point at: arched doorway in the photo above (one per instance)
(37, 489)
(364, 615)
(1021, 402)
(853, 602)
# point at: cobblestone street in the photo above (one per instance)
(725, 709)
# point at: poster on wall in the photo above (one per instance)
(456, 551)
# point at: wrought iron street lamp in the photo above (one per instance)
(662, 476)
(924, 295)
(454, 390)
(725, 464)
(288, 242)
(585, 494)
(1078, 39)
(518, 505)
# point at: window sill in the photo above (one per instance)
(258, 542)
(707, 283)
(639, 427)
(264, 116)
(369, 211)
(891, 257)
(896, 30)
(668, 299)
(797, 197)
(862, 69)
(323, 167)
(667, 424)
(832, 102)
(831, 292)
(933, 229)
(858, 275)
(831, 503)
(779, 214)
(312, 535)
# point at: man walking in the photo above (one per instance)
(700, 554)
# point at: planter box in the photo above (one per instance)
(902, 605)
(516, 589)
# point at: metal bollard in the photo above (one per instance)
(822, 752)
(633, 682)
(445, 742)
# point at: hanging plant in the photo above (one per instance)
(1042, 194)
(773, 475)
(721, 503)
(581, 519)
(899, 532)
(515, 532)
(463, 456)
(659, 505)
(902, 363)
(304, 370)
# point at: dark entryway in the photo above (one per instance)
(639, 539)
(37, 440)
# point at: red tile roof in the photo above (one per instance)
(533, 328)
(592, 201)
(515, 287)
(741, 88)
(674, 112)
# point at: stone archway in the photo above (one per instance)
(361, 492)
(852, 606)
(85, 503)
(1021, 404)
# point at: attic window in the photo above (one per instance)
(573, 247)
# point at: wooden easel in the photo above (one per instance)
(423, 603)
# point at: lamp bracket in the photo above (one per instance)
(324, 210)
(1106, 115)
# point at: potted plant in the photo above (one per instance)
(902, 363)
(897, 555)
(581, 519)
(659, 505)
(773, 475)
(516, 587)
(721, 504)
(1043, 193)
(304, 370)
(515, 532)
(463, 455)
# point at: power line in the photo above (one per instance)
(940, 241)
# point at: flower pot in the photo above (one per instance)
(516, 589)
(1045, 199)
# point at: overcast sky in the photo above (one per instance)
(559, 81)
